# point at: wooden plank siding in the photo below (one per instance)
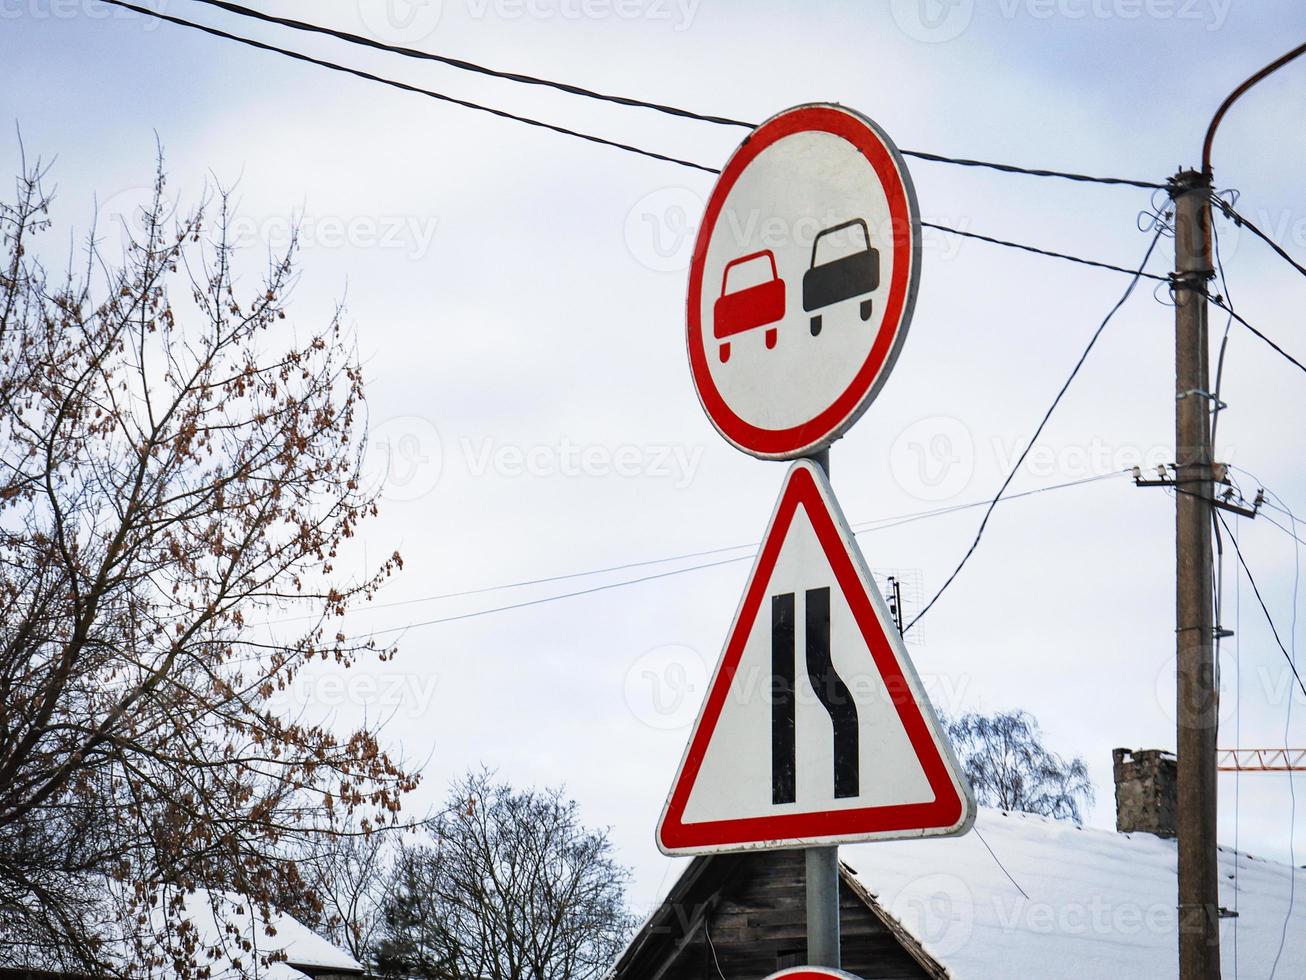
(743, 916)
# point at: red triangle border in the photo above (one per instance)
(950, 812)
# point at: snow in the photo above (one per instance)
(1099, 905)
(222, 920)
(302, 946)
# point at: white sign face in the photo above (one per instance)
(803, 280)
(815, 728)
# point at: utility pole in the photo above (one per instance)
(1195, 689)
(823, 872)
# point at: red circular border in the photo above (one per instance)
(903, 220)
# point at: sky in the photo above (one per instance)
(517, 297)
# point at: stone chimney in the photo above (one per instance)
(1145, 791)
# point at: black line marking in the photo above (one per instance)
(783, 657)
(833, 694)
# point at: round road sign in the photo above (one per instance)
(803, 280)
(811, 973)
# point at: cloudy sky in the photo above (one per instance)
(518, 300)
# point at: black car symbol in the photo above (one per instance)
(843, 278)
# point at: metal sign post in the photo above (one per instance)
(823, 906)
(823, 870)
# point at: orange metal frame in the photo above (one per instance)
(1261, 760)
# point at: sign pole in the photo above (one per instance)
(823, 906)
(823, 868)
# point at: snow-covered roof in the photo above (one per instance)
(222, 923)
(1097, 904)
(282, 932)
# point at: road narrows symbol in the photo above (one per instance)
(830, 690)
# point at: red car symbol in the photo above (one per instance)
(750, 307)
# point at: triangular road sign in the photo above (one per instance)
(815, 729)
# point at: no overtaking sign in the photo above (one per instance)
(803, 280)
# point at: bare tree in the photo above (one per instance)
(175, 465)
(511, 886)
(1008, 767)
(414, 940)
(351, 878)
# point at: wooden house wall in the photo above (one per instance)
(747, 918)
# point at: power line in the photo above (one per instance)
(999, 863)
(1041, 251)
(1188, 943)
(1224, 305)
(1280, 505)
(1229, 212)
(883, 524)
(568, 88)
(472, 66)
(299, 56)
(1265, 609)
(604, 141)
(1138, 274)
(1277, 503)
(892, 522)
(544, 580)
(1269, 503)
(1238, 739)
(1216, 403)
(628, 101)
(1238, 93)
(1273, 523)
(1007, 168)
(566, 595)
(404, 86)
(1292, 785)
(712, 946)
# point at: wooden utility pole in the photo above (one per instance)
(1196, 690)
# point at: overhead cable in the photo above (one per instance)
(1137, 275)
(566, 87)
(404, 86)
